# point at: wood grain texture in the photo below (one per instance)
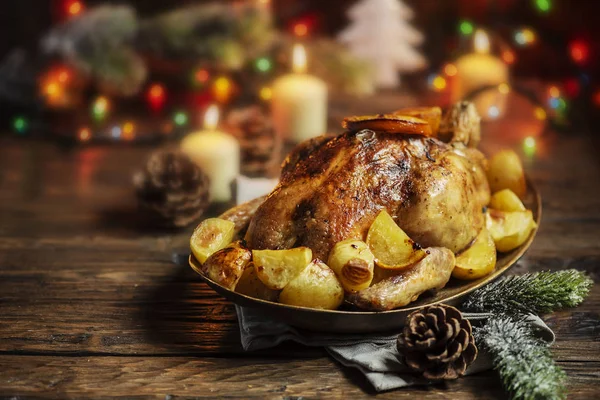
(92, 305)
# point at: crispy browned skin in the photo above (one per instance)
(335, 190)
(432, 272)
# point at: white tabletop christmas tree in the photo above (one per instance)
(381, 35)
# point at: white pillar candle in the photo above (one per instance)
(217, 153)
(477, 70)
(299, 102)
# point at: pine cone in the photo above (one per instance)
(260, 147)
(172, 190)
(438, 342)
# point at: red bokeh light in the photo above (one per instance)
(300, 29)
(156, 96)
(508, 56)
(572, 87)
(74, 8)
(579, 51)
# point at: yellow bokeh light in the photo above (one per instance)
(528, 35)
(439, 83)
(222, 89)
(266, 93)
(540, 113)
(52, 89)
(128, 130)
(450, 70)
(554, 92)
(504, 88)
(84, 134)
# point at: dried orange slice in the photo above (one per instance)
(433, 115)
(402, 124)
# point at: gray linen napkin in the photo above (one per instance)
(374, 355)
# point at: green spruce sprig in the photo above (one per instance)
(524, 362)
(536, 293)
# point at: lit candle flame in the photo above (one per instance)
(211, 118)
(299, 59)
(481, 42)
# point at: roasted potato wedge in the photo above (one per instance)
(433, 116)
(315, 287)
(432, 272)
(226, 266)
(250, 285)
(478, 260)
(505, 171)
(402, 124)
(392, 248)
(276, 268)
(353, 263)
(509, 229)
(211, 235)
(506, 200)
(380, 274)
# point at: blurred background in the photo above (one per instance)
(90, 73)
(134, 52)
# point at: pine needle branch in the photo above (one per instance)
(524, 362)
(536, 293)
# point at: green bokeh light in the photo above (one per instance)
(100, 108)
(180, 118)
(529, 146)
(543, 5)
(20, 124)
(466, 27)
(263, 64)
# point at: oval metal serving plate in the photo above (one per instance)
(350, 321)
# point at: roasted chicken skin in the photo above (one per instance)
(432, 272)
(332, 188)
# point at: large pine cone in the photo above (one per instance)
(171, 189)
(260, 147)
(437, 342)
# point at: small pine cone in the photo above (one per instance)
(171, 189)
(437, 342)
(260, 147)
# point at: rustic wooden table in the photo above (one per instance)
(92, 306)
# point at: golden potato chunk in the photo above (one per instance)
(276, 268)
(250, 285)
(315, 287)
(478, 260)
(392, 248)
(509, 229)
(506, 200)
(227, 265)
(433, 116)
(390, 123)
(353, 263)
(505, 171)
(211, 235)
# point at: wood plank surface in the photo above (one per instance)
(92, 305)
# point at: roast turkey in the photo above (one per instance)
(333, 187)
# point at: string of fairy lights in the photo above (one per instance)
(550, 106)
(60, 86)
